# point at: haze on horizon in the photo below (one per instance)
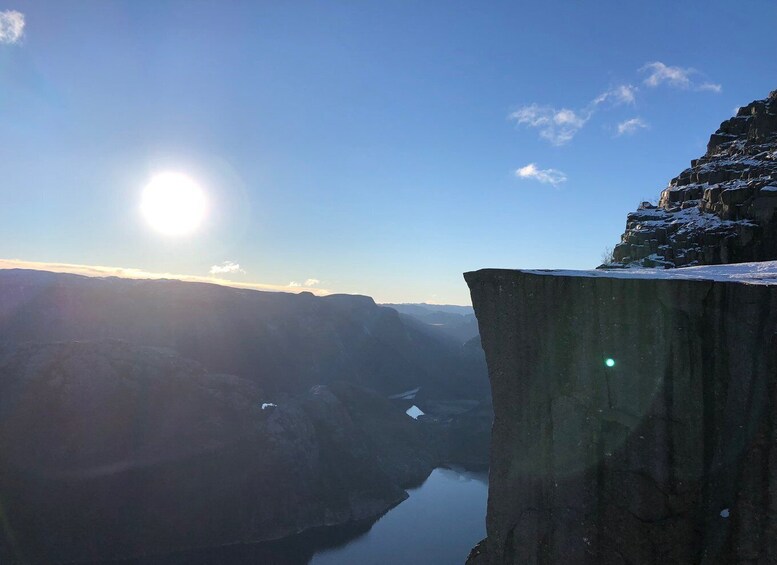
(370, 149)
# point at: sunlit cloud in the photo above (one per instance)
(227, 267)
(678, 77)
(11, 26)
(130, 273)
(558, 126)
(307, 284)
(631, 126)
(545, 176)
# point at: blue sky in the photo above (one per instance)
(363, 147)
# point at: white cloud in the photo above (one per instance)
(712, 87)
(659, 74)
(621, 94)
(557, 126)
(631, 126)
(294, 284)
(545, 176)
(312, 282)
(226, 267)
(11, 26)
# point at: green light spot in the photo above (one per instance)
(610, 362)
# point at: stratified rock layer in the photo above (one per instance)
(722, 208)
(668, 456)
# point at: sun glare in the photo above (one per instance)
(173, 204)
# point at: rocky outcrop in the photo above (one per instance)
(110, 450)
(635, 416)
(721, 209)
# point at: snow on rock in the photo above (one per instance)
(723, 209)
(764, 272)
(414, 412)
(267, 405)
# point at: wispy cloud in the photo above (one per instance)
(11, 26)
(711, 86)
(558, 126)
(678, 77)
(226, 267)
(130, 273)
(312, 282)
(631, 126)
(545, 176)
(659, 73)
(621, 94)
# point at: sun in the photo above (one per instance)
(173, 204)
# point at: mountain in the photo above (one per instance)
(721, 209)
(284, 343)
(457, 322)
(112, 450)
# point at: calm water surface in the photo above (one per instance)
(440, 522)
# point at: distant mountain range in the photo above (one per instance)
(285, 343)
(457, 322)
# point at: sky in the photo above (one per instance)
(379, 148)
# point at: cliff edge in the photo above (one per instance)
(635, 415)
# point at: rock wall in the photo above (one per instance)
(721, 209)
(667, 456)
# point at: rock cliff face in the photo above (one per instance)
(635, 417)
(110, 450)
(722, 208)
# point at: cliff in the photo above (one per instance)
(635, 415)
(721, 209)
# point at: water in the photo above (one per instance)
(440, 522)
(438, 525)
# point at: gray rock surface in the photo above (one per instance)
(669, 456)
(721, 209)
(111, 450)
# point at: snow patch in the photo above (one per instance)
(267, 405)
(764, 273)
(414, 412)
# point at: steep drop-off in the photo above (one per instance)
(667, 456)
